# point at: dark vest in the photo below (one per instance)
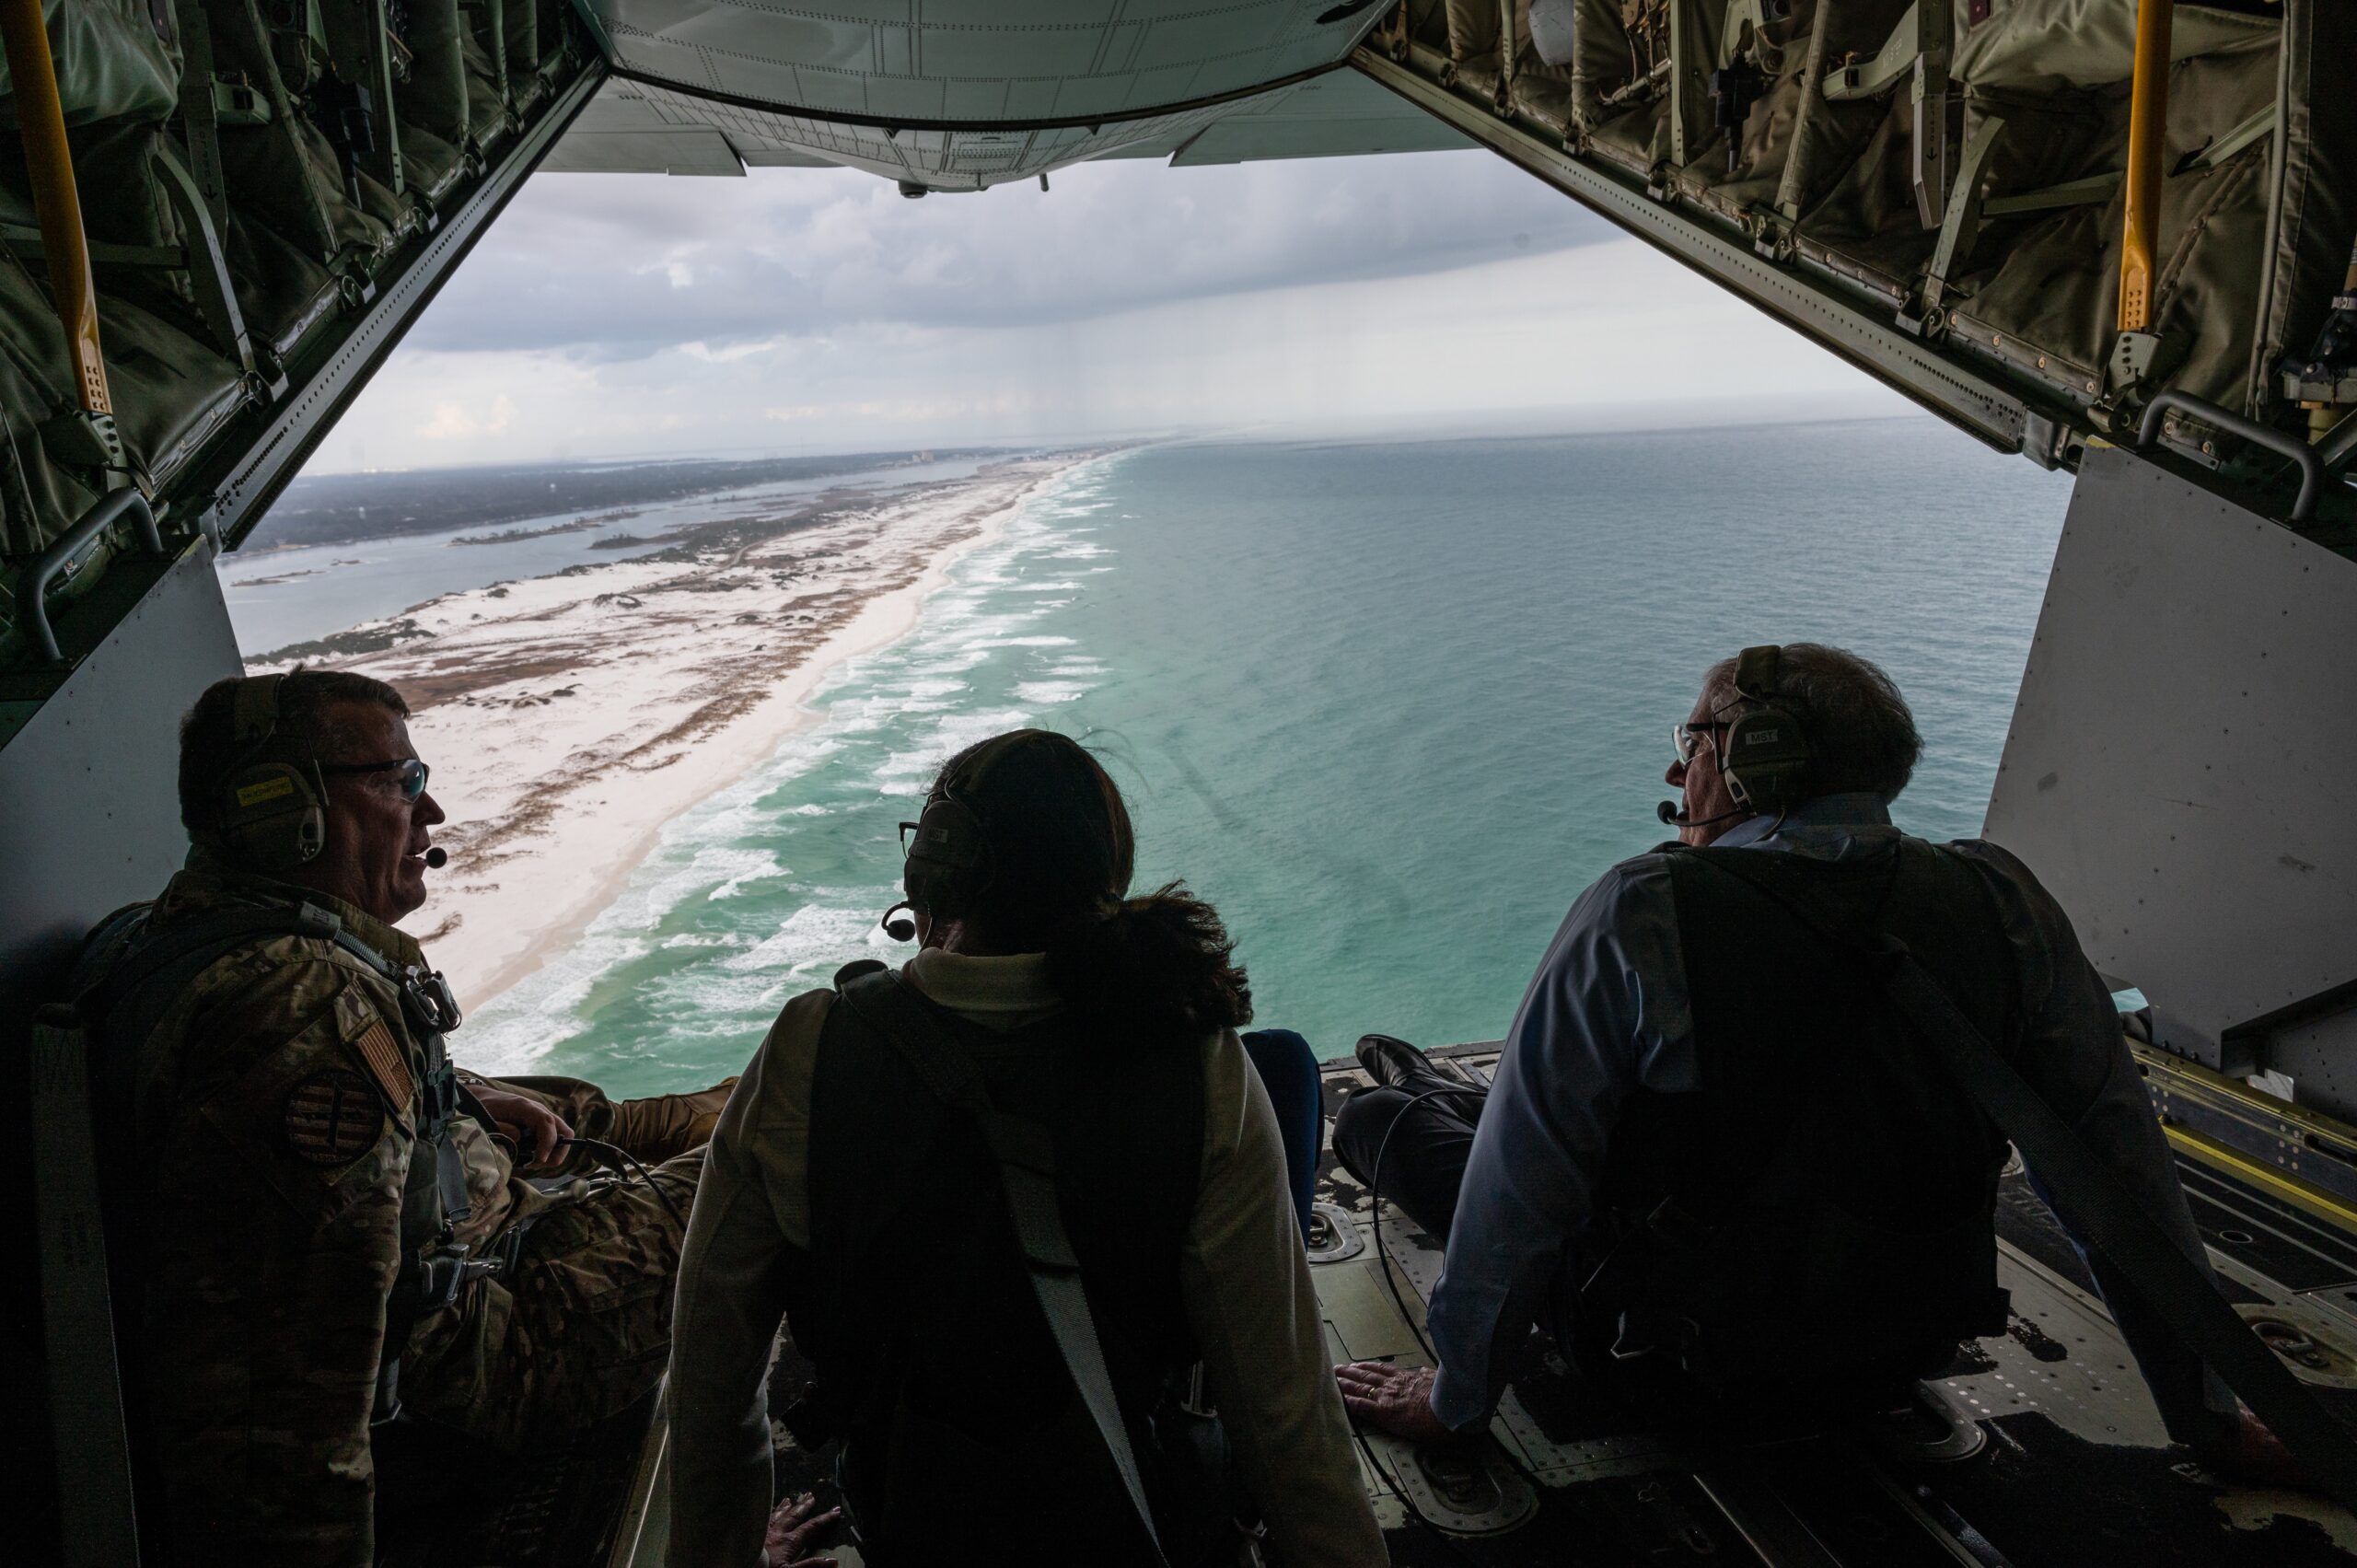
(1819, 1214)
(934, 1363)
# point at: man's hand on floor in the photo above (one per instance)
(792, 1528)
(1397, 1399)
(2254, 1455)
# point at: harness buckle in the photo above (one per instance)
(428, 1000)
(438, 1094)
(445, 1269)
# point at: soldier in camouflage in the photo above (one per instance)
(308, 1201)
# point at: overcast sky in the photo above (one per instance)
(813, 310)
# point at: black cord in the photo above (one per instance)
(1391, 1280)
(613, 1153)
(1374, 1201)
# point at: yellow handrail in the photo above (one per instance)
(2148, 113)
(40, 121)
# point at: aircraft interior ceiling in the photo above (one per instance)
(216, 220)
(231, 211)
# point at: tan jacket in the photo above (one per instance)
(1249, 1296)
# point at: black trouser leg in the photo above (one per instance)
(1421, 1130)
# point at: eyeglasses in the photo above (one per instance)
(412, 774)
(1688, 737)
(906, 829)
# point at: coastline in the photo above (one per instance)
(534, 700)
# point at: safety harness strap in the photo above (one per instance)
(1027, 1165)
(2165, 1282)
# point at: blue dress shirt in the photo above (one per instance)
(1607, 1012)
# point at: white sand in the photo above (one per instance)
(568, 718)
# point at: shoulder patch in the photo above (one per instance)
(331, 1119)
(387, 1064)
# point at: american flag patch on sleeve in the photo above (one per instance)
(387, 1065)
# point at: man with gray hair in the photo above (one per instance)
(1714, 1161)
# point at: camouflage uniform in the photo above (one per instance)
(278, 1107)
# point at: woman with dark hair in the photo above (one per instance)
(1060, 1062)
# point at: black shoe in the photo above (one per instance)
(1391, 1060)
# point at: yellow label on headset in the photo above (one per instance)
(269, 789)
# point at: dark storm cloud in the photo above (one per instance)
(618, 267)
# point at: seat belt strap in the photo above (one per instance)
(2164, 1282)
(1026, 1166)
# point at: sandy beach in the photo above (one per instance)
(567, 718)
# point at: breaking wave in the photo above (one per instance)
(764, 890)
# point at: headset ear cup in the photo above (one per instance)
(1764, 761)
(271, 817)
(949, 863)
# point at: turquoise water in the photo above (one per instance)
(1388, 706)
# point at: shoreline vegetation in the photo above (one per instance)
(352, 509)
(509, 536)
(570, 717)
(272, 582)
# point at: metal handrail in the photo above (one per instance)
(2311, 466)
(32, 588)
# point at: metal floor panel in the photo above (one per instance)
(2072, 1467)
(2297, 1249)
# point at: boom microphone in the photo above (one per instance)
(1674, 816)
(898, 930)
(435, 859)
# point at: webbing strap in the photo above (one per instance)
(190, 948)
(2166, 1282)
(1026, 1166)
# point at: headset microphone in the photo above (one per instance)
(435, 859)
(899, 930)
(1674, 816)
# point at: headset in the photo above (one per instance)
(1764, 756)
(950, 863)
(272, 815)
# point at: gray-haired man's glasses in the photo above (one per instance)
(1688, 737)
